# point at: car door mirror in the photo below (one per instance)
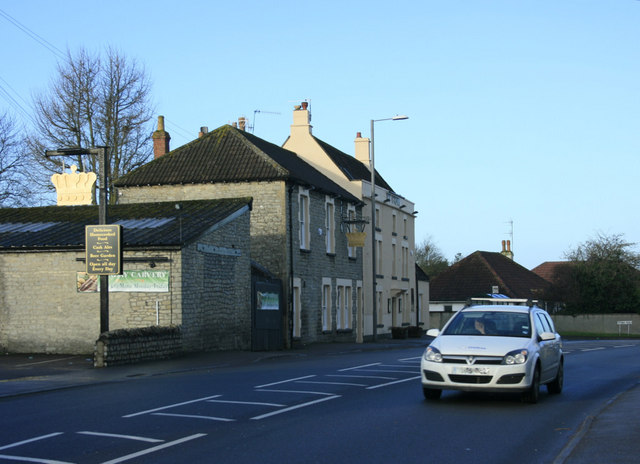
(547, 336)
(433, 332)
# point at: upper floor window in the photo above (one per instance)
(303, 214)
(330, 225)
(352, 216)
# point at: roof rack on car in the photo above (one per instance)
(502, 300)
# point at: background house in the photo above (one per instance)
(296, 222)
(185, 264)
(480, 274)
(396, 285)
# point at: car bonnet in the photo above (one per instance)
(478, 345)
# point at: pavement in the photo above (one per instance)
(610, 435)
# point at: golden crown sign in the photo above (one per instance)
(74, 188)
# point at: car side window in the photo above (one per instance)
(541, 323)
(549, 322)
(538, 323)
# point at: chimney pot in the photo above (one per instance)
(359, 135)
(305, 105)
(161, 139)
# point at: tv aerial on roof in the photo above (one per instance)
(253, 123)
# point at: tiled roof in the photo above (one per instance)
(548, 270)
(144, 224)
(350, 166)
(229, 155)
(475, 275)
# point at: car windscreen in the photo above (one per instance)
(493, 323)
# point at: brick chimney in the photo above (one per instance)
(362, 149)
(161, 139)
(506, 249)
(242, 123)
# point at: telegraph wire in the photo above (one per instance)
(45, 43)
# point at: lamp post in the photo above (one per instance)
(101, 153)
(373, 225)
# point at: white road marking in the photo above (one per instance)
(388, 370)
(148, 411)
(155, 448)
(255, 403)
(291, 408)
(392, 383)
(358, 367)
(284, 381)
(115, 435)
(45, 362)
(593, 349)
(194, 416)
(332, 383)
(622, 346)
(22, 458)
(297, 391)
(24, 442)
(410, 359)
(361, 376)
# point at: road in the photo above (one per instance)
(357, 407)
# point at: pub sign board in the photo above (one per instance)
(103, 249)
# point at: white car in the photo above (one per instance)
(494, 348)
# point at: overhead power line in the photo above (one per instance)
(42, 41)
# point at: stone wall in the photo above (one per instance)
(270, 246)
(598, 323)
(41, 310)
(130, 346)
(216, 286)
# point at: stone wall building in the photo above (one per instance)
(185, 264)
(297, 219)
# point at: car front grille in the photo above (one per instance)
(477, 379)
(477, 360)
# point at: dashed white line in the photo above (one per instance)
(305, 392)
(155, 448)
(284, 381)
(593, 349)
(22, 458)
(362, 376)
(318, 382)
(392, 383)
(358, 367)
(251, 403)
(127, 437)
(148, 411)
(194, 416)
(24, 442)
(297, 406)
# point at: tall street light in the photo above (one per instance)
(373, 224)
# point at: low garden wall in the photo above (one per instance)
(611, 324)
(129, 346)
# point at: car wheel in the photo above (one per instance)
(532, 394)
(431, 393)
(555, 386)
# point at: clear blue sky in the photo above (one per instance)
(520, 110)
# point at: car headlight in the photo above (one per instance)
(516, 357)
(432, 354)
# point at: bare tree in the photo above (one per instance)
(430, 258)
(14, 190)
(94, 101)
